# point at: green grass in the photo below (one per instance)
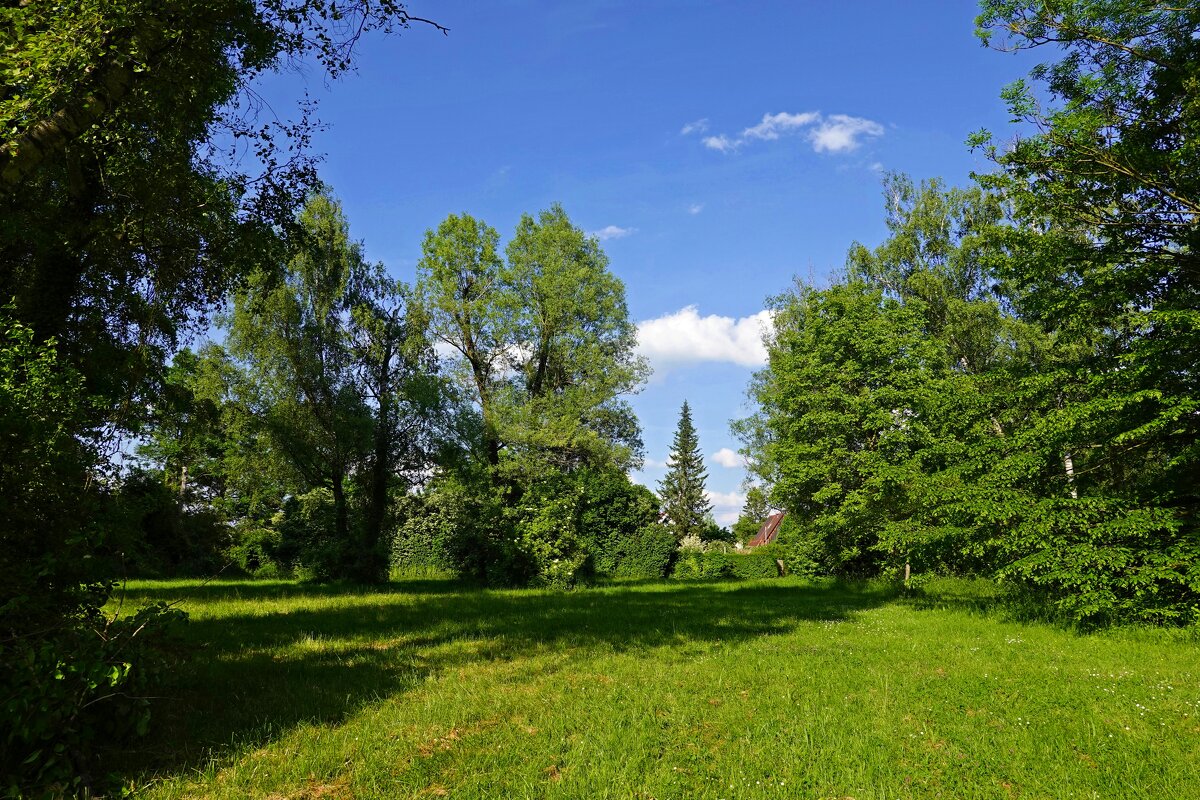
(775, 688)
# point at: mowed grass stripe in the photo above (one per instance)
(715, 690)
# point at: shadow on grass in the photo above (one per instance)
(248, 679)
(986, 598)
(142, 592)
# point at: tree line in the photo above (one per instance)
(1007, 385)
(327, 420)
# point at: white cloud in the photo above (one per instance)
(836, 133)
(840, 133)
(695, 208)
(686, 337)
(698, 126)
(727, 506)
(652, 463)
(728, 458)
(773, 125)
(613, 232)
(722, 143)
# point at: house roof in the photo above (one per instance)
(768, 531)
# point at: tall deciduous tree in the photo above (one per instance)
(571, 351)
(840, 408)
(685, 503)
(462, 288)
(126, 213)
(398, 375)
(126, 204)
(1106, 257)
(342, 376)
(544, 343)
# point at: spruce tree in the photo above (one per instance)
(685, 504)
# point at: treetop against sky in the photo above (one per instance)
(716, 151)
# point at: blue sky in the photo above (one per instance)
(718, 149)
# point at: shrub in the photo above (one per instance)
(547, 534)
(754, 565)
(71, 695)
(650, 553)
(470, 530)
(70, 680)
(801, 552)
(615, 518)
(424, 539)
(149, 532)
(256, 550)
(697, 564)
(307, 542)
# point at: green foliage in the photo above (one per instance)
(44, 483)
(707, 565)
(459, 520)
(713, 533)
(308, 536)
(260, 551)
(125, 130)
(544, 349)
(125, 216)
(801, 552)
(546, 534)
(933, 410)
(74, 694)
(150, 531)
(343, 382)
(648, 553)
(1104, 258)
(70, 680)
(840, 409)
(425, 540)
(755, 511)
(616, 518)
(684, 501)
(544, 342)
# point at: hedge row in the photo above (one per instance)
(693, 564)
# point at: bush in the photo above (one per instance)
(650, 553)
(149, 532)
(256, 551)
(71, 695)
(306, 537)
(70, 680)
(547, 533)
(424, 540)
(801, 552)
(615, 518)
(697, 564)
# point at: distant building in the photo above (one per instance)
(769, 530)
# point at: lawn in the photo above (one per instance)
(775, 688)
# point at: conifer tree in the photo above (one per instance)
(685, 503)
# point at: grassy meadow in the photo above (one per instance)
(777, 688)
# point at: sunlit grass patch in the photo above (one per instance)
(771, 689)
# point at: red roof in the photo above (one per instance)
(769, 530)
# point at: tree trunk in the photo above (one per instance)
(1069, 469)
(372, 567)
(341, 517)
